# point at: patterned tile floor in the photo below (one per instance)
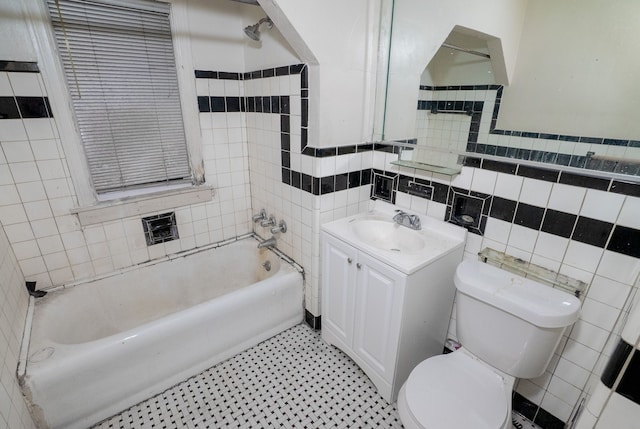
(293, 380)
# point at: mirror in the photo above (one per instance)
(446, 116)
(553, 90)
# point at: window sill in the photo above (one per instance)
(105, 211)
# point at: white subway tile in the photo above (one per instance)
(51, 244)
(484, 181)
(535, 192)
(24, 172)
(602, 205)
(56, 261)
(589, 335)
(44, 227)
(39, 128)
(630, 213)
(25, 84)
(12, 130)
(556, 406)
(583, 256)
(9, 195)
(497, 230)
(551, 246)
(599, 314)
(16, 151)
(580, 355)
(572, 373)
(19, 232)
(566, 198)
(26, 249)
(33, 266)
(508, 186)
(5, 175)
(523, 238)
(609, 291)
(51, 169)
(618, 267)
(14, 213)
(563, 390)
(73, 240)
(61, 276)
(5, 86)
(31, 191)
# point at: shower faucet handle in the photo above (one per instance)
(260, 217)
(281, 227)
(268, 222)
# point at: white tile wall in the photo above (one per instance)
(36, 197)
(612, 277)
(14, 301)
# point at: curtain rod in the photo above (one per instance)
(468, 51)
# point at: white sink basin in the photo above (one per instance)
(403, 248)
(387, 235)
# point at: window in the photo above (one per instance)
(119, 65)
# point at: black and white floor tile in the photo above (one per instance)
(293, 380)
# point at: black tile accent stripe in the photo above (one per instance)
(566, 225)
(592, 231)
(558, 223)
(535, 413)
(619, 239)
(625, 240)
(558, 158)
(25, 107)
(528, 216)
(628, 382)
(564, 177)
(19, 66)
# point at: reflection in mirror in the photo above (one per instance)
(563, 99)
(446, 116)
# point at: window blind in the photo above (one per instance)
(120, 69)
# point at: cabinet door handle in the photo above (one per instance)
(358, 265)
(349, 260)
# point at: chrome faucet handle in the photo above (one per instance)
(268, 222)
(281, 227)
(260, 216)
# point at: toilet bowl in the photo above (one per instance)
(462, 392)
(509, 327)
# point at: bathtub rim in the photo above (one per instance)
(23, 361)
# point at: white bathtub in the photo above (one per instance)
(101, 347)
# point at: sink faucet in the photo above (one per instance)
(408, 220)
(270, 242)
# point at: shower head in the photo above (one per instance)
(253, 31)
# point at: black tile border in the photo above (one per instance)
(552, 175)
(314, 321)
(553, 158)
(590, 231)
(601, 234)
(19, 66)
(25, 107)
(535, 413)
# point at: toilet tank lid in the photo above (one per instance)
(536, 303)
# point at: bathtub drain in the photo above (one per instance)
(267, 265)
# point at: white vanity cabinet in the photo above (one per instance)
(362, 310)
(385, 319)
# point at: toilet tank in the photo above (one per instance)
(512, 323)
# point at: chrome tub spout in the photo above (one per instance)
(270, 242)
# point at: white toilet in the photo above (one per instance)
(509, 327)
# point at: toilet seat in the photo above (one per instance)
(456, 391)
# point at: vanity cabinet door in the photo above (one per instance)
(378, 313)
(338, 287)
